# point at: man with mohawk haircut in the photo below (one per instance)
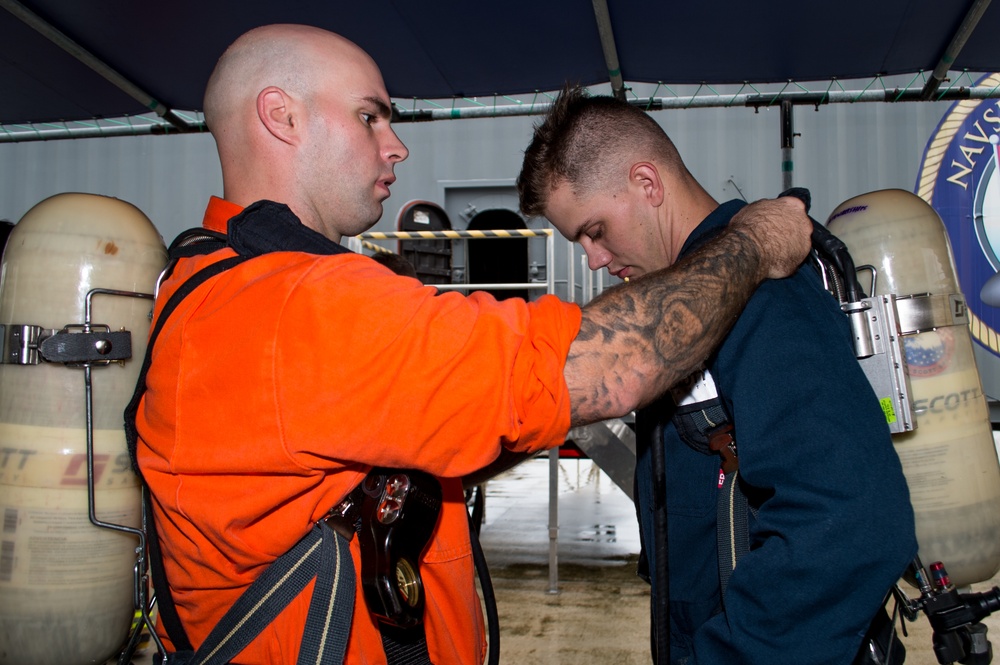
(774, 513)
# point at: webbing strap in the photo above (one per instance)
(164, 601)
(131, 433)
(324, 638)
(321, 549)
(732, 528)
(404, 646)
(321, 553)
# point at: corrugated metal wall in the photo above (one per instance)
(843, 150)
(168, 177)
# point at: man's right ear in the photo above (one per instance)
(279, 114)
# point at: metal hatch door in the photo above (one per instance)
(431, 258)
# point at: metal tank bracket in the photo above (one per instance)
(923, 312)
(26, 344)
(878, 341)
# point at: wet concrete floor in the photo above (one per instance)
(594, 609)
(598, 610)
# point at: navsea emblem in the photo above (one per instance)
(960, 179)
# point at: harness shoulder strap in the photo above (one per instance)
(132, 409)
(732, 528)
(322, 553)
(165, 605)
(703, 422)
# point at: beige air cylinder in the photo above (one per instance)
(66, 585)
(949, 459)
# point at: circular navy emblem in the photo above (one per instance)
(958, 178)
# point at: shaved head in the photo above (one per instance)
(282, 55)
(301, 116)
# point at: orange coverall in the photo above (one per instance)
(274, 388)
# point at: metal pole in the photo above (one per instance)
(550, 258)
(46, 132)
(787, 143)
(499, 286)
(607, 34)
(554, 520)
(961, 36)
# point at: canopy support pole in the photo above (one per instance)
(961, 36)
(61, 40)
(787, 143)
(610, 50)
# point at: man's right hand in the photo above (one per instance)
(782, 231)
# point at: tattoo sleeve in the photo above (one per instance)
(638, 339)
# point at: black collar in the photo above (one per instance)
(266, 226)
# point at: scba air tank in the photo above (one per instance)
(949, 459)
(66, 585)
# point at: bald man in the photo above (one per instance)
(277, 385)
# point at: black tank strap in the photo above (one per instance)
(164, 600)
(196, 280)
(265, 227)
(321, 554)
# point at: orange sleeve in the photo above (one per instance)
(406, 376)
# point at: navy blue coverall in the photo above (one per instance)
(834, 528)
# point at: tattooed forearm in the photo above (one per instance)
(638, 339)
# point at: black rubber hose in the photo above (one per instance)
(489, 598)
(661, 595)
(830, 247)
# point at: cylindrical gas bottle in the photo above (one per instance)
(66, 585)
(949, 459)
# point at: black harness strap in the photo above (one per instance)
(706, 427)
(164, 601)
(332, 603)
(132, 409)
(321, 553)
(660, 603)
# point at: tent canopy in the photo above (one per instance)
(158, 56)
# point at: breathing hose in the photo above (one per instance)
(489, 599)
(661, 590)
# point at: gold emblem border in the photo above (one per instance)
(928, 179)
